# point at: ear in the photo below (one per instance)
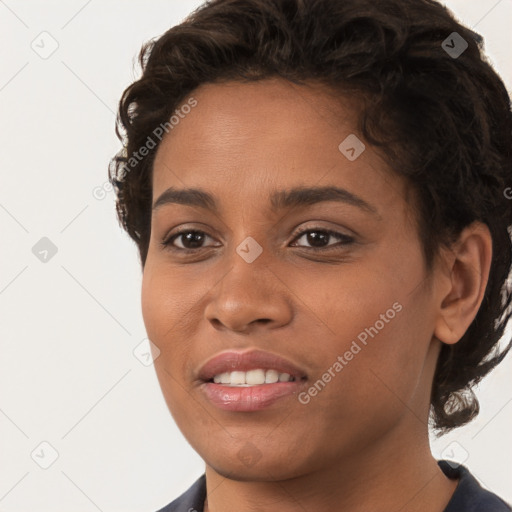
(461, 286)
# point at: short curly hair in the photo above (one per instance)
(441, 120)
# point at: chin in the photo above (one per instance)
(242, 468)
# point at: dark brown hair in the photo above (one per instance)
(443, 121)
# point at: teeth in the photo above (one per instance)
(271, 376)
(252, 377)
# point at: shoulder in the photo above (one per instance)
(470, 496)
(192, 500)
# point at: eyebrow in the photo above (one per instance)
(280, 200)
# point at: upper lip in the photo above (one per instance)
(249, 360)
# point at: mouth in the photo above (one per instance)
(251, 367)
(249, 381)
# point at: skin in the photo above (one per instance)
(362, 442)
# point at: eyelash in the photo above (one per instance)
(345, 239)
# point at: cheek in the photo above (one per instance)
(383, 364)
(162, 311)
(166, 300)
(372, 392)
(380, 330)
(349, 302)
(171, 304)
(153, 305)
(163, 314)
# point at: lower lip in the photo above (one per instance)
(250, 398)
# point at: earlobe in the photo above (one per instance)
(465, 282)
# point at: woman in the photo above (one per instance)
(318, 193)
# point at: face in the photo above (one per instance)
(334, 284)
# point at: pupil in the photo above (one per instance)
(314, 237)
(195, 238)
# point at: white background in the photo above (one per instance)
(69, 326)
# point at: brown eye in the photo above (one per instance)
(319, 238)
(189, 239)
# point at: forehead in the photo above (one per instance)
(249, 138)
(239, 112)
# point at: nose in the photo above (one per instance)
(249, 295)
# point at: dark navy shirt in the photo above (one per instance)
(469, 496)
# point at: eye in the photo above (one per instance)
(191, 240)
(318, 237)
